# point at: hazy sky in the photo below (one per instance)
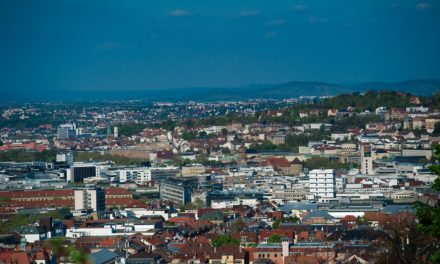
(149, 44)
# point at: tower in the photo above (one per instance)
(367, 157)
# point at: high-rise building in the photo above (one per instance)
(322, 183)
(66, 131)
(367, 157)
(90, 199)
(115, 132)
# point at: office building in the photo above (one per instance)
(66, 131)
(177, 190)
(80, 170)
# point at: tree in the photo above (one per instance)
(435, 132)
(59, 247)
(275, 238)
(79, 256)
(403, 242)
(429, 217)
(238, 225)
(321, 162)
(265, 145)
(276, 224)
(361, 220)
(225, 239)
(199, 203)
(291, 219)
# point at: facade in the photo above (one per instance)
(193, 170)
(143, 175)
(90, 199)
(78, 172)
(65, 157)
(322, 183)
(139, 175)
(367, 157)
(159, 173)
(177, 190)
(66, 131)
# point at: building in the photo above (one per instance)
(66, 131)
(322, 183)
(159, 173)
(193, 170)
(177, 190)
(90, 199)
(367, 157)
(141, 175)
(79, 171)
(430, 123)
(115, 132)
(66, 158)
(297, 167)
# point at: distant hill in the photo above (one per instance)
(418, 87)
(296, 89)
(279, 91)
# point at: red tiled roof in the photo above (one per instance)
(278, 162)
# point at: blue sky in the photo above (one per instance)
(134, 45)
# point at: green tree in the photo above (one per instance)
(361, 220)
(225, 239)
(291, 219)
(275, 238)
(79, 256)
(321, 162)
(265, 145)
(59, 247)
(429, 217)
(276, 224)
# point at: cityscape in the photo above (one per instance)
(267, 171)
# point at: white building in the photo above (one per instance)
(90, 199)
(143, 175)
(140, 175)
(65, 157)
(322, 183)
